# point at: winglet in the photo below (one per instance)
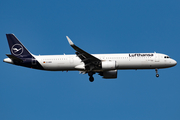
(69, 40)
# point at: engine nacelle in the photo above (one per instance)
(109, 74)
(108, 65)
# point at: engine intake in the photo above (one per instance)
(109, 74)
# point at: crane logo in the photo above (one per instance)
(17, 49)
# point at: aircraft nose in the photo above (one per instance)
(174, 62)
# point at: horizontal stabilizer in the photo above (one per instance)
(14, 58)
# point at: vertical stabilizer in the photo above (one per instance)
(17, 48)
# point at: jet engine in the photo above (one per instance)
(108, 65)
(109, 74)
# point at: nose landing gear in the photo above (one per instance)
(157, 75)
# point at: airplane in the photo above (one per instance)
(106, 65)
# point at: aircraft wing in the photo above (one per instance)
(90, 61)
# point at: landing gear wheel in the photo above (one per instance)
(91, 78)
(157, 75)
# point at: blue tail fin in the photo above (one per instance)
(17, 48)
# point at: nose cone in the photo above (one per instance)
(173, 62)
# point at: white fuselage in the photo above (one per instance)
(122, 61)
(106, 65)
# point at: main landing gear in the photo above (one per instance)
(91, 78)
(157, 75)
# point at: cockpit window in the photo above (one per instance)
(166, 57)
